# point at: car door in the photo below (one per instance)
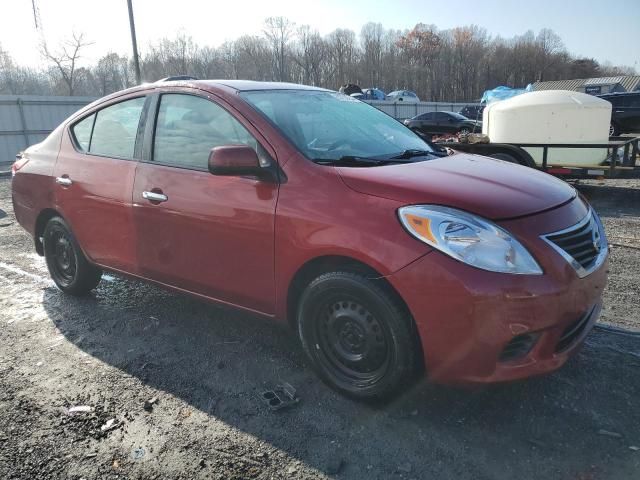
(211, 235)
(630, 115)
(94, 178)
(442, 124)
(426, 123)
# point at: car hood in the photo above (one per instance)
(491, 188)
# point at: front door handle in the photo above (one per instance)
(155, 196)
(64, 181)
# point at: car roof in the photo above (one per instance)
(249, 85)
(226, 85)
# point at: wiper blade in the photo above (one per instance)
(414, 153)
(355, 160)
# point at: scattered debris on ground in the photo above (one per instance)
(131, 348)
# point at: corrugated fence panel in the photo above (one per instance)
(402, 110)
(28, 119)
(9, 117)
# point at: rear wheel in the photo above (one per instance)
(358, 337)
(68, 267)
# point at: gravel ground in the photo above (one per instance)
(618, 203)
(206, 366)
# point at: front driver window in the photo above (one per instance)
(188, 127)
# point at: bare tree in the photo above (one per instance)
(310, 55)
(371, 38)
(111, 74)
(66, 57)
(278, 31)
(550, 49)
(457, 64)
(342, 51)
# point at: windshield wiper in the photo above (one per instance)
(358, 161)
(416, 153)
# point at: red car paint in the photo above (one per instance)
(241, 241)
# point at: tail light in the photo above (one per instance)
(20, 162)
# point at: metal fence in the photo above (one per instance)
(28, 119)
(402, 110)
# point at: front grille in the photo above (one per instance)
(518, 347)
(573, 332)
(583, 245)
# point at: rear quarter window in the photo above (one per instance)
(82, 132)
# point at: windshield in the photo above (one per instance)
(329, 126)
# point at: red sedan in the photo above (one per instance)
(312, 208)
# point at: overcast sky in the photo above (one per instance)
(588, 27)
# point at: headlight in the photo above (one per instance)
(468, 238)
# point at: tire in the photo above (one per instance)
(613, 130)
(359, 337)
(68, 267)
(506, 157)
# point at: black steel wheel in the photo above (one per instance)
(67, 265)
(357, 335)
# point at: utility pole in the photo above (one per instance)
(134, 43)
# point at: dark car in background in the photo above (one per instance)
(473, 112)
(442, 122)
(625, 114)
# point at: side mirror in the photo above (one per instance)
(234, 160)
(450, 120)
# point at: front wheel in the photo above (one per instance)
(358, 336)
(68, 267)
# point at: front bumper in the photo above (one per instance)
(467, 317)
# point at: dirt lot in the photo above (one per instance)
(206, 366)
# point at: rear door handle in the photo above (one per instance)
(154, 196)
(64, 181)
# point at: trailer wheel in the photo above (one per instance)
(506, 157)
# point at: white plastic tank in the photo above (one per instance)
(552, 116)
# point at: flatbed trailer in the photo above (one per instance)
(623, 156)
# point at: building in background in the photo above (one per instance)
(593, 86)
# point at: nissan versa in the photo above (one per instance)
(316, 209)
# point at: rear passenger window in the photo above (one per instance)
(115, 129)
(188, 127)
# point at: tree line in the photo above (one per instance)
(457, 64)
